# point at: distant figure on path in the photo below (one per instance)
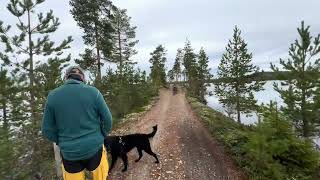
(175, 90)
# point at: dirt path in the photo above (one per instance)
(185, 148)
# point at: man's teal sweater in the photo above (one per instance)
(73, 117)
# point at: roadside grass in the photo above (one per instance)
(133, 116)
(269, 150)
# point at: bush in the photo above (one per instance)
(128, 93)
(275, 152)
(270, 150)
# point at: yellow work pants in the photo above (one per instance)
(100, 173)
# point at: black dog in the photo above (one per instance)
(119, 146)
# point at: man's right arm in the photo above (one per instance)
(104, 113)
(49, 128)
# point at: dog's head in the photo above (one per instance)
(155, 127)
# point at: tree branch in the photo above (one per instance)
(17, 45)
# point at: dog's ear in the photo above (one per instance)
(156, 126)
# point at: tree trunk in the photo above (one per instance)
(5, 119)
(31, 74)
(4, 108)
(238, 104)
(98, 80)
(32, 100)
(237, 88)
(120, 53)
(238, 113)
(259, 118)
(305, 123)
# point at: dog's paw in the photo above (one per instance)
(157, 162)
(137, 160)
(123, 170)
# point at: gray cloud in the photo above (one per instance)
(268, 26)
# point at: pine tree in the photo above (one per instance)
(274, 151)
(316, 107)
(184, 74)
(234, 88)
(124, 38)
(191, 69)
(170, 75)
(157, 60)
(177, 65)
(94, 16)
(25, 52)
(203, 75)
(127, 96)
(22, 134)
(50, 74)
(87, 61)
(11, 117)
(5, 91)
(301, 94)
(6, 145)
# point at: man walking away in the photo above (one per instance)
(76, 118)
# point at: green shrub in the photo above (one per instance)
(274, 151)
(127, 94)
(269, 150)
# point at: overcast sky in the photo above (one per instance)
(268, 26)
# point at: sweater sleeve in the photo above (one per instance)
(49, 128)
(104, 113)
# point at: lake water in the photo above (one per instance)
(264, 96)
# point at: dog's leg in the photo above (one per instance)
(140, 155)
(114, 158)
(149, 151)
(124, 158)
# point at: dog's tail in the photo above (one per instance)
(155, 128)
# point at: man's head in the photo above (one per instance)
(75, 72)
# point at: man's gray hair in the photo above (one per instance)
(71, 70)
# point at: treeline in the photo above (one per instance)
(299, 77)
(192, 68)
(280, 145)
(110, 37)
(26, 79)
(300, 94)
(31, 65)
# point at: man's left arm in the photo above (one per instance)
(105, 114)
